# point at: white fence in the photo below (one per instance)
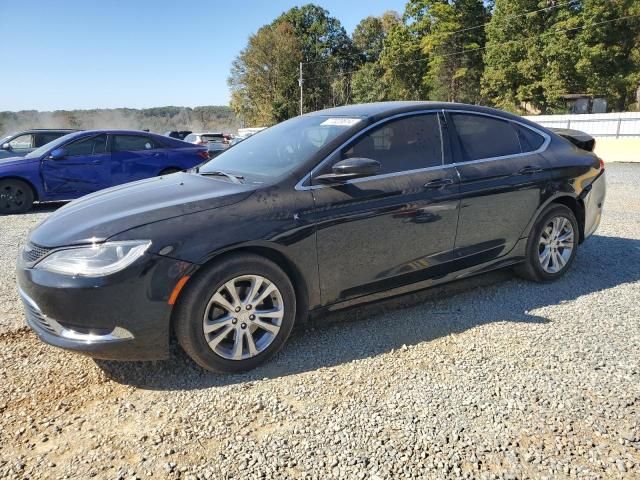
(614, 125)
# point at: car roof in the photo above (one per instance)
(120, 132)
(45, 130)
(379, 110)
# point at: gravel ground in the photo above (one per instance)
(489, 378)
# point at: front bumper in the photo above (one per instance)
(124, 316)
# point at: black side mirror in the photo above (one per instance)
(6, 146)
(57, 153)
(349, 169)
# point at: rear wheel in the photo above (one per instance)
(552, 245)
(236, 314)
(15, 196)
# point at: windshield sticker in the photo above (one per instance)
(341, 121)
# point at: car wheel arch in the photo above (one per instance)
(270, 253)
(575, 204)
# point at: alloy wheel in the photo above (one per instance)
(12, 198)
(556, 244)
(243, 317)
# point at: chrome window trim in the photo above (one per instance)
(300, 186)
(542, 148)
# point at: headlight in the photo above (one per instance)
(94, 260)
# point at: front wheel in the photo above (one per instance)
(15, 196)
(236, 314)
(552, 245)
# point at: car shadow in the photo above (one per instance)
(45, 207)
(420, 317)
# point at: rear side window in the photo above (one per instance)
(132, 143)
(408, 143)
(87, 146)
(530, 141)
(44, 138)
(485, 137)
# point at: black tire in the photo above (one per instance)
(16, 196)
(169, 171)
(193, 302)
(532, 268)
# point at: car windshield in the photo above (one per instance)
(277, 151)
(38, 152)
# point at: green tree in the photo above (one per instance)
(513, 61)
(368, 85)
(263, 77)
(404, 64)
(369, 39)
(327, 53)
(453, 41)
(609, 54)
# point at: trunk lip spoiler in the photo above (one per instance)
(579, 138)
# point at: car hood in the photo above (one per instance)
(106, 213)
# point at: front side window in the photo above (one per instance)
(278, 150)
(408, 143)
(132, 143)
(22, 142)
(485, 137)
(87, 146)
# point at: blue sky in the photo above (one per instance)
(70, 54)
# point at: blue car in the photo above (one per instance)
(84, 162)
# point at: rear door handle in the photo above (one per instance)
(529, 170)
(441, 182)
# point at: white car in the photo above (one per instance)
(215, 142)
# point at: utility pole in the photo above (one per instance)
(300, 80)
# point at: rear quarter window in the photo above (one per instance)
(529, 140)
(44, 138)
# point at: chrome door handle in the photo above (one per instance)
(441, 182)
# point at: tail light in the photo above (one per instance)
(203, 154)
(601, 164)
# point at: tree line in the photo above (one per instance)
(158, 119)
(518, 55)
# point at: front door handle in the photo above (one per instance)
(529, 170)
(441, 182)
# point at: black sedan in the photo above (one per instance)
(321, 212)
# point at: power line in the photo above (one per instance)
(461, 52)
(454, 32)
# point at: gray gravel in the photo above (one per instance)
(488, 378)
